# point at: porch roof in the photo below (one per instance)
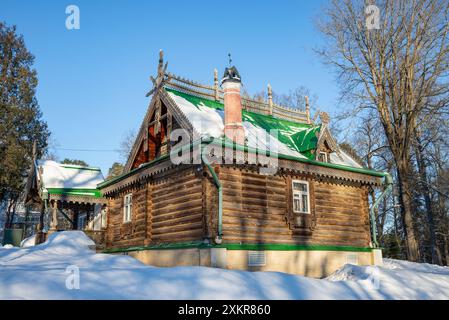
(68, 180)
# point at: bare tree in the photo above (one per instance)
(127, 144)
(398, 70)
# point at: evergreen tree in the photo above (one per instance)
(21, 121)
(115, 170)
(75, 162)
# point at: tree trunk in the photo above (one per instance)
(405, 200)
(446, 250)
(8, 221)
(425, 191)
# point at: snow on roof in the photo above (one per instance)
(293, 138)
(343, 158)
(55, 175)
(207, 119)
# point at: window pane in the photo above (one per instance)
(298, 186)
(296, 205)
(305, 204)
(128, 199)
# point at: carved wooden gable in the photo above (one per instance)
(326, 142)
(153, 138)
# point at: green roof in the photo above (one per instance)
(299, 137)
(75, 192)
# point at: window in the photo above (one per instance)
(323, 156)
(82, 221)
(300, 190)
(127, 208)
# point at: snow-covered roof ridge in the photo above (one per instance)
(53, 175)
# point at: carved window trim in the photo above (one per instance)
(301, 221)
(300, 194)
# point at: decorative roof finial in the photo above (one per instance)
(270, 99)
(307, 109)
(216, 84)
(324, 116)
(229, 59)
(161, 62)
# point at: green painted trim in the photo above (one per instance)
(305, 160)
(291, 247)
(299, 137)
(220, 192)
(73, 166)
(126, 175)
(244, 148)
(75, 192)
(123, 176)
(236, 246)
(168, 246)
(389, 186)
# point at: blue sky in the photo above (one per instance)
(92, 81)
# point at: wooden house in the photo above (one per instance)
(220, 196)
(68, 197)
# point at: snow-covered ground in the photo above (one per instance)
(49, 271)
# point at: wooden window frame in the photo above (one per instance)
(127, 208)
(300, 221)
(301, 194)
(326, 156)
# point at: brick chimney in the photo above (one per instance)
(231, 84)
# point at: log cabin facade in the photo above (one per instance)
(250, 185)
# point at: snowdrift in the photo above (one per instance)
(43, 271)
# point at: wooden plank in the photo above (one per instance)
(193, 217)
(232, 229)
(195, 201)
(178, 198)
(176, 214)
(193, 225)
(177, 236)
(249, 221)
(182, 208)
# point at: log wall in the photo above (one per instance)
(125, 234)
(182, 206)
(177, 207)
(255, 210)
(166, 209)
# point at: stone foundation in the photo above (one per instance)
(311, 263)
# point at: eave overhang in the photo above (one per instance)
(284, 163)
